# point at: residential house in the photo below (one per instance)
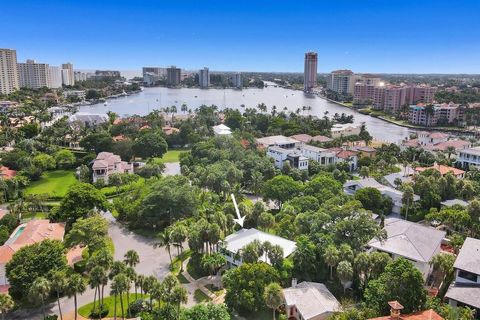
(222, 130)
(293, 156)
(364, 151)
(435, 142)
(469, 158)
(6, 173)
(321, 139)
(279, 141)
(460, 174)
(465, 291)
(168, 130)
(83, 119)
(412, 241)
(352, 186)
(309, 301)
(343, 130)
(27, 234)
(305, 138)
(107, 163)
(323, 156)
(454, 202)
(396, 314)
(232, 245)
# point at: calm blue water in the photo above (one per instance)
(157, 98)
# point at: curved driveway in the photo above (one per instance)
(153, 261)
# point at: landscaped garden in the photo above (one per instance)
(54, 183)
(172, 155)
(109, 302)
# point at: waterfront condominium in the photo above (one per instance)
(342, 82)
(237, 80)
(174, 76)
(68, 75)
(310, 72)
(8, 71)
(33, 75)
(204, 78)
(54, 77)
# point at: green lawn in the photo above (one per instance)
(172, 155)
(199, 296)
(54, 183)
(84, 311)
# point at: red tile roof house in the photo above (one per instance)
(6, 173)
(395, 314)
(443, 170)
(26, 234)
(108, 163)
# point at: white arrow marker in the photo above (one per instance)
(240, 218)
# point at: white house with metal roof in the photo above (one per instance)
(222, 130)
(469, 158)
(465, 291)
(412, 241)
(231, 247)
(309, 301)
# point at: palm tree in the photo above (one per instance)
(407, 198)
(97, 276)
(331, 256)
(40, 290)
(75, 285)
(6, 304)
(451, 150)
(179, 295)
(119, 286)
(273, 297)
(345, 273)
(165, 240)
(131, 277)
(59, 282)
(148, 284)
(131, 258)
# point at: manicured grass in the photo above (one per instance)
(54, 183)
(34, 215)
(84, 311)
(172, 155)
(199, 296)
(182, 278)
(214, 289)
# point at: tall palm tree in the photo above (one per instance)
(6, 304)
(179, 296)
(59, 282)
(165, 240)
(345, 273)
(148, 284)
(75, 285)
(40, 290)
(97, 276)
(273, 297)
(331, 256)
(131, 258)
(119, 286)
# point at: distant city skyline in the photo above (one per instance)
(270, 36)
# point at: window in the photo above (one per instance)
(467, 275)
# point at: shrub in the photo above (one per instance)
(138, 306)
(100, 311)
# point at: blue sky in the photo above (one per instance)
(262, 35)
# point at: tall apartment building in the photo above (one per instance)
(310, 71)
(342, 81)
(174, 75)
(237, 80)
(33, 75)
(439, 114)
(392, 98)
(204, 78)
(151, 75)
(69, 76)
(79, 76)
(364, 88)
(8, 71)
(54, 77)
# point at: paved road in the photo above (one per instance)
(152, 262)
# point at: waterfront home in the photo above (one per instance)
(231, 247)
(396, 314)
(323, 156)
(107, 163)
(303, 137)
(469, 158)
(344, 130)
(435, 142)
(412, 241)
(309, 301)
(321, 139)
(87, 120)
(27, 234)
(465, 291)
(443, 170)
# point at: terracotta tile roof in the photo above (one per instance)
(34, 231)
(120, 137)
(439, 135)
(303, 137)
(117, 121)
(457, 144)
(320, 138)
(345, 154)
(170, 130)
(422, 315)
(442, 169)
(6, 173)
(74, 255)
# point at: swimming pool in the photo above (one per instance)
(17, 234)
